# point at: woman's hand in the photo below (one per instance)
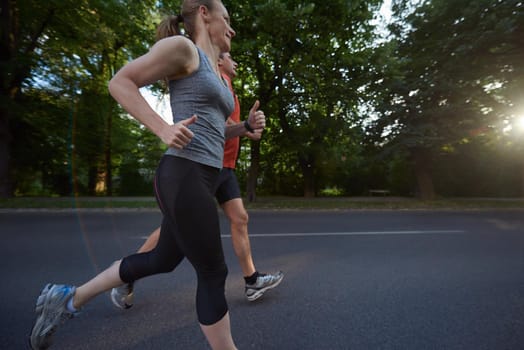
(178, 135)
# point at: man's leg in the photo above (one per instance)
(238, 219)
(256, 283)
(150, 242)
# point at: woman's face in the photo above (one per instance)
(220, 29)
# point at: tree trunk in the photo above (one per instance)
(308, 173)
(309, 186)
(422, 162)
(7, 50)
(107, 150)
(5, 139)
(252, 174)
(92, 178)
(522, 181)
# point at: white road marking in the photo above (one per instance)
(351, 233)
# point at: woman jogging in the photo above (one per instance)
(227, 194)
(185, 176)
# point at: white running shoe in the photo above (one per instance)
(264, 282)
(51, 311)
(122, 297)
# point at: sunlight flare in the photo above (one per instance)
(519, 123)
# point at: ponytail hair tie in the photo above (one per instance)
(180, 18)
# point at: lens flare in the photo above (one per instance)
(519, 123)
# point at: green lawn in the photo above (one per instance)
(327, 203)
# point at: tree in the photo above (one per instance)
(68, 49)
(306, 75)
(446, 78)
(19, 41)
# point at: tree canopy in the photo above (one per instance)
(453, 79)
(430, 107)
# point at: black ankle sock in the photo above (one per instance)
(251, 279)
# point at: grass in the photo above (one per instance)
(77, 202)
(275, 203)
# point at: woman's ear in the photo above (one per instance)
(204, 12)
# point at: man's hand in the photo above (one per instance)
(178, 135)
(255, 136)
(256, 119)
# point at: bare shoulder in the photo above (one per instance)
(180, 53)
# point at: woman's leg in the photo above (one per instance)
(105, 280)
(163, 258)
(197, 234)
(57, 302)
(219, 334)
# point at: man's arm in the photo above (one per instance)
(255, 121)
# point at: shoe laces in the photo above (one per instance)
(263, 278)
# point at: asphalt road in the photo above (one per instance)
(354, 280)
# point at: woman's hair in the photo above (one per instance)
(170, 25)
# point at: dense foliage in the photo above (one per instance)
(427, 106)
(450, 95)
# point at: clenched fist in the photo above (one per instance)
(256, 119)
(178, 135)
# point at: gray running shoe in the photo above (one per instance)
(264, 282)
(51, 311)
(122, 297)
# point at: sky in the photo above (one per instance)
(160, 105)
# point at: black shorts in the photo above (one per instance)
(227, 186)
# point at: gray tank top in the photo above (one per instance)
(205, 94)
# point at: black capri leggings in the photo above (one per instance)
(190, 228)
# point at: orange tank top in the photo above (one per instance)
(232, 145)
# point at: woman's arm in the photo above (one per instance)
(173, 57)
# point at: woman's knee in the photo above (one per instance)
(140, 265)
(214, 277)
(211, 300)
